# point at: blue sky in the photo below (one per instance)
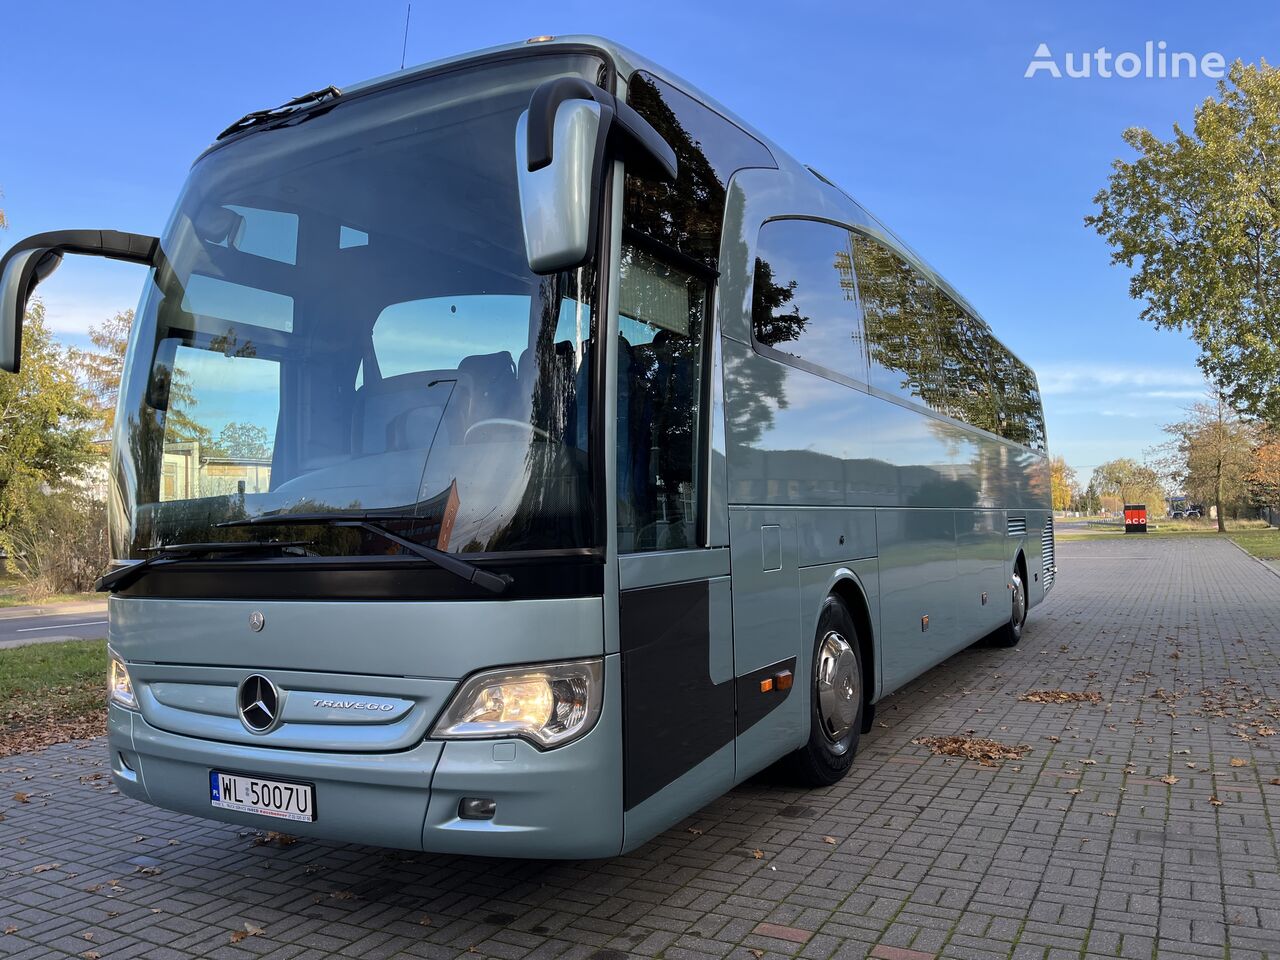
(920, 110)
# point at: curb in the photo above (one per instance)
(1258, 560)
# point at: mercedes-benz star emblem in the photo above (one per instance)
(257, 621)
(259, 702)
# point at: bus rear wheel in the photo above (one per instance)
(1011, 632)
(837, 701)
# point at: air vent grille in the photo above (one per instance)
(1047, 558)
(1017, 526)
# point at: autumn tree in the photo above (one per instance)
(1264, 471)
(1062, 479)
(101, 367)
(44, 421)
(1210, 455)
(1199, 216)
(101, 370)
(1122, 481)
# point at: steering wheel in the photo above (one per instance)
(504, 422)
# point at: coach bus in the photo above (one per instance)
(515, 453)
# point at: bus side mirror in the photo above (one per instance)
(562, 143)
(32, 260)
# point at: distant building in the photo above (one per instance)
(188, 475)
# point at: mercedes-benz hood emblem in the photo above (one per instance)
(259, 703)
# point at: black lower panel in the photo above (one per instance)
(674, 717)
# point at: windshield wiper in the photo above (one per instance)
(493, 582)
(123, 576)
(285, 110)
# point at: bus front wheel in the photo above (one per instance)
(835, 711)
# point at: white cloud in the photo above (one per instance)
(1059, 379)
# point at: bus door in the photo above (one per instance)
(675, 628)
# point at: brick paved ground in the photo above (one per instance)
(1080, 850)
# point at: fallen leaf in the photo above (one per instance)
(22, 797)
(10, 929)
(424, 922)
(1075, 792)
(985, 752)
(695, 831)
(828, 839)
(1239, 762)
(91, 955)
(45, 867)
(756, 952)
(1215, 801)
(1170, 779)
(250, 930)
(271, 836)
(758, 854)
(1061, 696)
(148, 871)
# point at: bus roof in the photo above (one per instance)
(626, 62)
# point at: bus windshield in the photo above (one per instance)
(343, 321)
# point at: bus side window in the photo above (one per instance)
(903, 330)
(804, 296)
(661, 326)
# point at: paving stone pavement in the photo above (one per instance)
(1078, 850)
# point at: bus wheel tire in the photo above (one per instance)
(836, 703)
(1011, 632)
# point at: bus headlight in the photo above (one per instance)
(547, 705)
(119, 686)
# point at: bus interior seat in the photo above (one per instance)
(403, 412)
(493, 380)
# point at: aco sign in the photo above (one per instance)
(1135, 518)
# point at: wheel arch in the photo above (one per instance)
(1020, 566)
(848, 589)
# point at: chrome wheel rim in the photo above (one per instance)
(1019, 603)
(837, 686)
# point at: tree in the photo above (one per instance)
(44, 415)
(243, 441)
(1200, 216)
(4, 224)
(1122, 481)
(59, 543)
(1210, 455)
(1062, 479)
(1264, 471)
(101, 369)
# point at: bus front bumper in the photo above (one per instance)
(564, 803)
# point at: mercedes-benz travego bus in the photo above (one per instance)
(515, 453)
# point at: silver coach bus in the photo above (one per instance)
(515, 453)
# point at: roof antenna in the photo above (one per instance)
(408, 7)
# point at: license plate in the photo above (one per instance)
(267, 798)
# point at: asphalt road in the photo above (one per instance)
(21, 630)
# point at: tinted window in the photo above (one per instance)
(901, 326)
(924, 346)
(804, 298)
(686, 215)
(347, 322)
(660, 324)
